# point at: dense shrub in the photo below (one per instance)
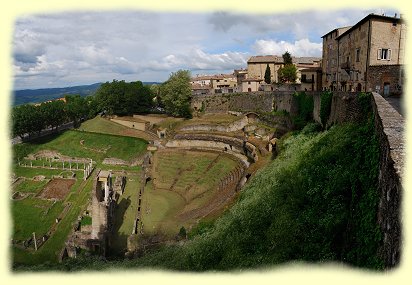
(305, 110)
(325, 106)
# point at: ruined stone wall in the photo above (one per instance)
(232, 127)
(234, 146)
(99, 210)
(389, 126)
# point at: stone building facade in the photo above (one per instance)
(256, 67)
(311, 79)
(330, 58)
(351, 56)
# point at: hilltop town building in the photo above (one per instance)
(368, 56)
(211, 84)
(311, 79)
(223, 83)
(257, 65)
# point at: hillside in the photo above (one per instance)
(41, 95)
(312, 203)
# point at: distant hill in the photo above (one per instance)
(41, 95)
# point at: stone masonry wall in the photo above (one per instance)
(380, 74)
(389, 126)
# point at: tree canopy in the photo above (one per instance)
(176, 93)
(287, 58)
(287, 73)
(29, 119)
(267, 74)
(122, 98)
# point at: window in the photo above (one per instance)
(303, 78)
(384, 54)
(357, 54)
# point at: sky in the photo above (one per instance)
(76, 48)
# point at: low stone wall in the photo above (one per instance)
(232, 127)
(209, 145)
(389, 126)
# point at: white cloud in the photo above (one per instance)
(197, 59)
(302, 47)
(87, 47)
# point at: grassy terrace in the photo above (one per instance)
(182, 181)
(95, 146)
(105, 126)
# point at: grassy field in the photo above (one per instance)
(158, 211)
(24, 212)
(33, 214)
(28, 172)
(105, 126)
(30, 186)
(182, 181)
(95, 146)
(213, 118)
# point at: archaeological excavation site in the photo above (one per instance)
(93, 196)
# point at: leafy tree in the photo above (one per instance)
(53, 113)
(267, 74)
(287, 74)
(176, 94)
(27, 119)
(287, 58)
(121, 98)
(76, 108)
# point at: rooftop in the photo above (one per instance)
(340, 30)
(382, 18)
(265, 59)
(279, 59)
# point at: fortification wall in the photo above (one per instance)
(389, 126)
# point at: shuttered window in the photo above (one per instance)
(384, 54)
